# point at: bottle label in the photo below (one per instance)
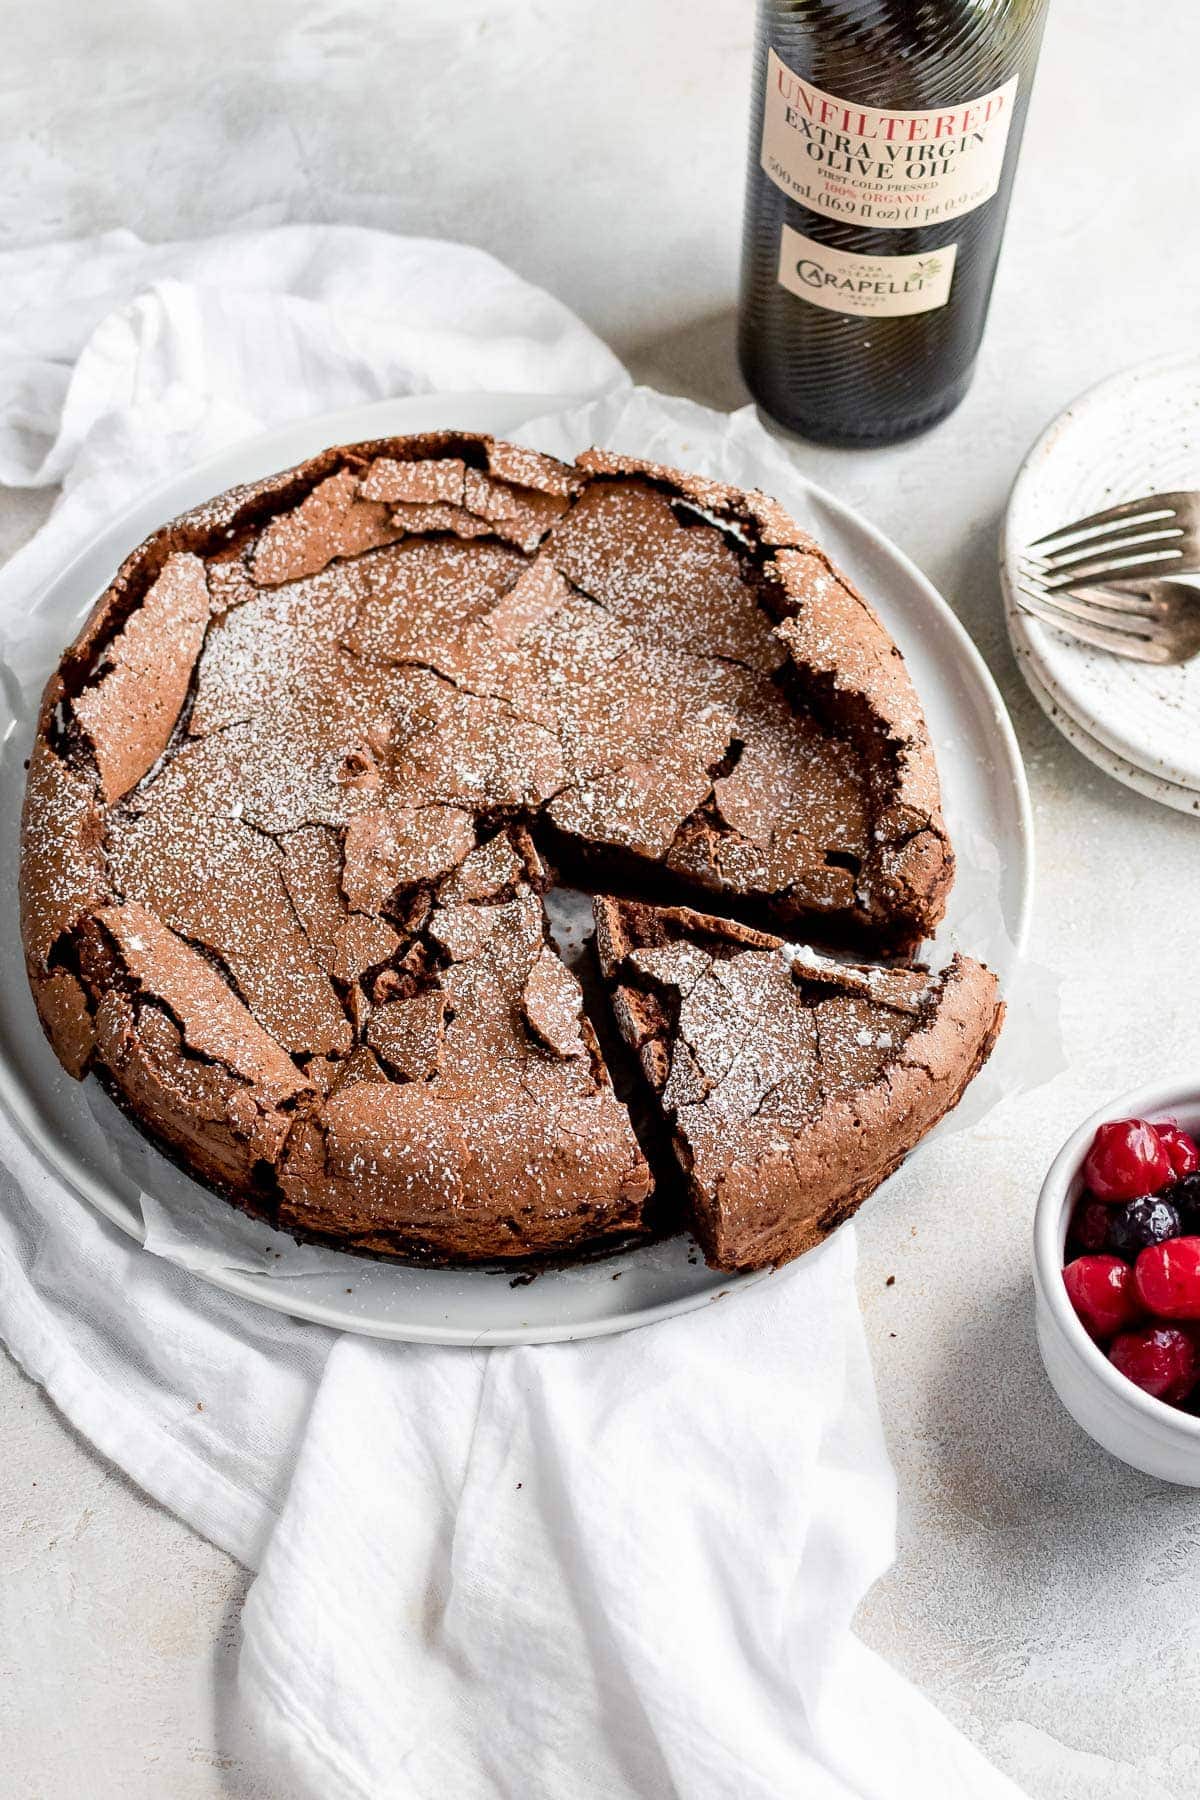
(884, 170)
(876, 287)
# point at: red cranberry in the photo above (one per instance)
(1101, 1290)
(1181, 1150)
(1090, 1223)
(1159, 1358)
(1126, 1160)
(1167, 1278)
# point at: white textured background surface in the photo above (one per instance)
(1044, 1596)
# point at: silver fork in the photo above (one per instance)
(1157, 535)
(1157, 622)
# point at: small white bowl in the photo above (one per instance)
(1131, 1424)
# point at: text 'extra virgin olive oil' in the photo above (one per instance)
(883, 143)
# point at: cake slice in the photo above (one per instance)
(791, 1084)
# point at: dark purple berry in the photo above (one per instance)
(1139, 1223)
(1089, 1226)
(1184, 1196)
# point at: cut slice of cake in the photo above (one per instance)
(792, 1084)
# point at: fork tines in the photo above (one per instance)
(1138, 537)
(1121, 623)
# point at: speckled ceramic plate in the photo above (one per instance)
(1154, 787)
(1136, 433)
(83, 1138)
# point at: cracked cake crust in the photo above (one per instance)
(793, 1084)
(278, 883)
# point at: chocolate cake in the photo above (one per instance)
(793, 1084)
(303, 780)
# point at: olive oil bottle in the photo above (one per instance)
(883, 144)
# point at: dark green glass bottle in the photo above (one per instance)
(883, 144)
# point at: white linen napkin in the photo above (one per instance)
(622, 1569)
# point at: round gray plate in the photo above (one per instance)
(987, 806)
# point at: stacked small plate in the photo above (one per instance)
(1137, 433)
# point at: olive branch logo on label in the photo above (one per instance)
(871, 286)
